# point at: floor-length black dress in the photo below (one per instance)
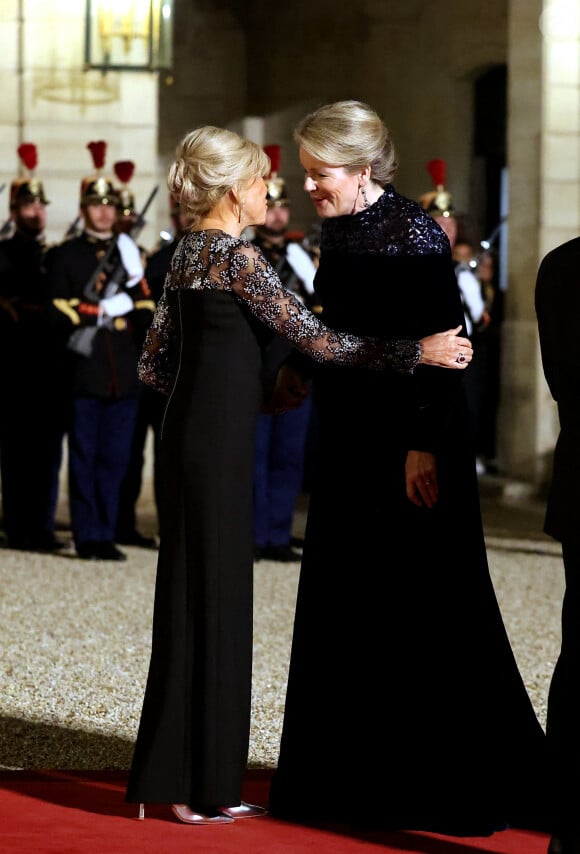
(405, 707)
(221, 302)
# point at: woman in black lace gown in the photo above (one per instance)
(405, 708)
(221, 302)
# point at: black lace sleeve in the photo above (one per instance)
(254, 281)
(158, 361)
(214, 260)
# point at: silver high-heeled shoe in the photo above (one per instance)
(244, 811)
(185, 814)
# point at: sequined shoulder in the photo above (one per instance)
(198, 256)
(394, 225)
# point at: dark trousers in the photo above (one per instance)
(563, 720)
(99, 450)
(150, 411)
(32, 428)
(278, 473)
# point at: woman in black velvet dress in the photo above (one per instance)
(221, 302)
(405, 708)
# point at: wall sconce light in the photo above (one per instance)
(129, 35)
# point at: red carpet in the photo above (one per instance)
(75, 812)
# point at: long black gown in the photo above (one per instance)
(221, 303)
(405, 708)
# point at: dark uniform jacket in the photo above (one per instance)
(157, 267)
(110, 369)
(26, 341)
(557, 300)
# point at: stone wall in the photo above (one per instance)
(416, 62)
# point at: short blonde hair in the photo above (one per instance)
(209, 162)
(349, 134)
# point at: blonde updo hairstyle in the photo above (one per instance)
(209, 162)
(349, 134)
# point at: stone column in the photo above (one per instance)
(544, 210)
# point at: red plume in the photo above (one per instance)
(124, 170)
(98, 151)
(28, 155)
(438, 170)
(274, 152)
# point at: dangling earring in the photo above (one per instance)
(240, 211)
(365, 199)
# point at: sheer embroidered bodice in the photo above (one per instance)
(214, 260)
(392, 226)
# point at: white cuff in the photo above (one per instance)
(302, 264)
(118, 305)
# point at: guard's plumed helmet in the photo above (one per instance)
(97, 189)
(276, 185)
(437, 202)
(27, 188)
(124, 170)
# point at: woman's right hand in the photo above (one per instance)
(446, 350)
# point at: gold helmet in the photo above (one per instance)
(27, 189)
(276, 186)
(437, 202)
(124, 170)
(97, 189)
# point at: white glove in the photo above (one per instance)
(302, 264)
(131, 258)
(471, 295)
(116, 306)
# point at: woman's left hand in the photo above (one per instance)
(446, 350)
(421, 478)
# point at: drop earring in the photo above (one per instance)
(365, 199)
(240, 212)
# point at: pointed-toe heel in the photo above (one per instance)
(184, 813)
(244, 811)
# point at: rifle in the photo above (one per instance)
(114, 272)
(488, 242)
(72, 230)
(140, 222)
(6, 229)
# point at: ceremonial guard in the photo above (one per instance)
(151, 402)
(439, 203)
(126, 210)
(127, 532)
(129, 220)
(102, 305)
(33, 391)
(280, 438)
(159, 260)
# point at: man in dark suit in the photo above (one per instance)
(557, 301)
